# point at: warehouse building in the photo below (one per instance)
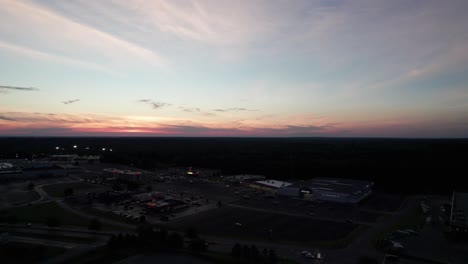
(329, 190)
(269, 185)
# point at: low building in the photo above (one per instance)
(330, 190)
(43, 169)
(126, 175)
(268, 185)
(459, 212)
(244, 178)
(9, 168)
(71, 169)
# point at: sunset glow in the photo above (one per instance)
(366, 68)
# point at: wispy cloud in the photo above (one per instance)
(153, 104)
(6, 118)
(80, 42)
(234, 109)
(71, 101)
(190, 109)
(86, 124)
(17, 88)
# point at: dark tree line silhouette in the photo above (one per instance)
(251, 254)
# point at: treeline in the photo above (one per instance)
(251, 254)
(15, 253)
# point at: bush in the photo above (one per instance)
(95, 224)
(52, 221)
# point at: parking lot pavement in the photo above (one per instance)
(333, 212)
(432, 243)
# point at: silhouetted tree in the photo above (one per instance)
(52, 221)
(12, 219)
(198, 245)
(191, 232)
(246, 253)
(255, 254)
(175, 241)
(112, 243)
(95, 224)
(367, 260)
(68, 192)
(272, 257)
(236, 251)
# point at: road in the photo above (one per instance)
(361, 246)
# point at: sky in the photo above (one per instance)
(318, 68)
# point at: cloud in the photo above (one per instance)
(49, 57)
(153, 104)
(6, 118)
(51, 124)
(5, 88)
(190, 109)
(234, 109)
(71, 101)
(38, 28)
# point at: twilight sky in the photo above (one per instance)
(374, 68)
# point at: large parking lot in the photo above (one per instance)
(242, 223)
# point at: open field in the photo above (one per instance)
(52, 236)
(57, 190)
(20, 197)
(38, 213)
(256, 225)
(17, 252)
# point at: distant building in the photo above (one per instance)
(72, 158)
(42, 169)
(459, 212)
(24, 169)
(244, 178)
(330, 190)
(126, 175)
(269, 185)
(9, 168)
(71, 169)
(191, 172)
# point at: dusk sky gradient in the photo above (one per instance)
(361, 68)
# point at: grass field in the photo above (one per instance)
(18, 252)
(256, 225)
(57, 190)
(38, 213)
(55, 237)
(20, 197)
